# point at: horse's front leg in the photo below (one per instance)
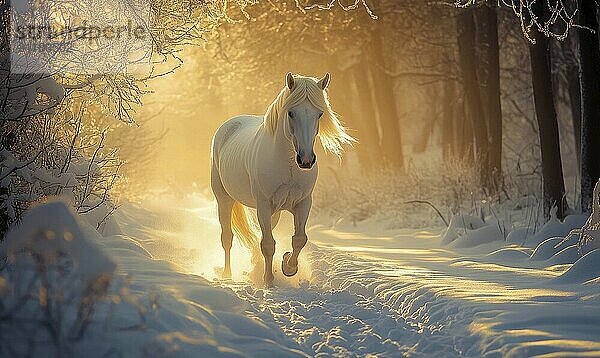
(267, 243)
(289, 266)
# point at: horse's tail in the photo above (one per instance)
(245, 227)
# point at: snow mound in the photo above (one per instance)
(519, 235)
(509, 254)
(568, 255)
(574, 221)
(585, 269)
(73, 292)
(483, 235)
(51, 230)
(555, 228)
(460, 225)
(546, 249)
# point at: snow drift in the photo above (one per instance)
(68, 291)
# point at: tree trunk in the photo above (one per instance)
(467, 59)
(6, 138)
(365, 124)
(449, 145)
(386, 102)
(590, 102)
(573, 88)
(489, 19)
(552, 176)
(464, 132)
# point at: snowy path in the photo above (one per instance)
(365, 291)
(327, 320)
(392, 294)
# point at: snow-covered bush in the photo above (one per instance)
(589, 233)
(55, 155)
(51, 284)
(452, 187)
(60, 133)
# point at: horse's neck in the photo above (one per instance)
(281, 143)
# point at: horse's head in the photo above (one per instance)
(303, 123)
(301, 112)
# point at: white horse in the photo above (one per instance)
(268, 163)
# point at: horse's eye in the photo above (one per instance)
(320, 114)
(291, 114)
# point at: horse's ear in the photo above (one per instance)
(324, 82)
(289, 81)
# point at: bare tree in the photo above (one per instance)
(488, 24)
(465, 24)
(386, 104)
(552, 176)
(590, 99)
(571, 70)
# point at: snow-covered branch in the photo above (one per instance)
(551, 18)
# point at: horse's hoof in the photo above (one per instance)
(222, 274)
(288, 271)
(268, 282)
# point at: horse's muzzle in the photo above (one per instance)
(306, 163)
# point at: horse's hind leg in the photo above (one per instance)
(226, 233)
(289, 265)
(225, 205)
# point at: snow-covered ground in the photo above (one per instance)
(81, 294)
(360, 290)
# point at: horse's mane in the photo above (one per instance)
(331, 131)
